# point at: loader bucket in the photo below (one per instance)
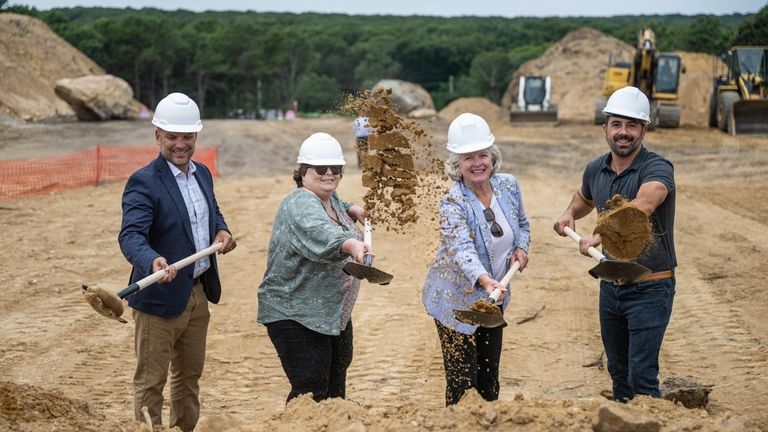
(750, 117)
(532, 116)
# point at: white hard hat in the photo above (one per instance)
(177, 113)
(629, 102)
(320, 149)
(469, 133)
(361, 127)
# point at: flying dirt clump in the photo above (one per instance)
(624, 229)
(399, 166)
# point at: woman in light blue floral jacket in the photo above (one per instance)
(483, 230)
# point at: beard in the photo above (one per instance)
(624, 150)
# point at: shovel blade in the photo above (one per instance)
(481, 319)
(371, 274)
(613, 271)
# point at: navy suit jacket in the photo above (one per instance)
(156, 223)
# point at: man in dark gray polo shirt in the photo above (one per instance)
(633, 317)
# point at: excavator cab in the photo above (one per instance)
(739, 101)
(667, 77)
(665, 84)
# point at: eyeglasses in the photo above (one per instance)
(322, 169)
(490, 217)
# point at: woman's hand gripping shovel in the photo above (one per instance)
(365, 270)
(485, 313)
(111, 305)
(621, 272)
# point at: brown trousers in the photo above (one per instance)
(180, 343)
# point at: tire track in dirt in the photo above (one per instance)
(708, 337)
(397, 353)
(546, 355)
(51, 337)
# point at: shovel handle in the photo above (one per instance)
(494, 297)
(594, 253)
(367, 259)
(156, 276)
(367, 233)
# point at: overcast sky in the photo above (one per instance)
(506, 8)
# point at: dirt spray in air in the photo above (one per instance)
(403, 176)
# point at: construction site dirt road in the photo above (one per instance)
(74, 367)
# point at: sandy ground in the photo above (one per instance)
(54, 342)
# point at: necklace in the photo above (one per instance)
(330, 214)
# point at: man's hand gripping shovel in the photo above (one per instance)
(111, 305)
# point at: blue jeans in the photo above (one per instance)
(633, 319)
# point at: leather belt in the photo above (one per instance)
(666, 274)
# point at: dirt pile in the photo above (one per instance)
(32, 59)
(696, 87)
(473, 413)
(483, 107)
(32, 409)
(399, 167)
(577, 65)
(624, 229)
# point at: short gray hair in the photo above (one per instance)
(452, 163)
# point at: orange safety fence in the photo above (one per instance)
(21, 178)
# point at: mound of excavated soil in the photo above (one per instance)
(32, 59)
(696, 87)
(30, 408)
(577, 65)
(483, 107)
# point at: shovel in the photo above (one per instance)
(609, 270)
(111, 306)
(487, 319)
(365, 270)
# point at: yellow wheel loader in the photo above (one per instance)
(656, 74)
(739, 100)
(533, 101)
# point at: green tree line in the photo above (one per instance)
(234, 63)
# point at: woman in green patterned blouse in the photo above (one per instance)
(306, 300)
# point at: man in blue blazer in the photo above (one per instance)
(169, 213)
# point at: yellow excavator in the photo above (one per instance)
(739, 100)
(656, 74)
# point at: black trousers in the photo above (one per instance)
(470, 361)
(313, 362)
